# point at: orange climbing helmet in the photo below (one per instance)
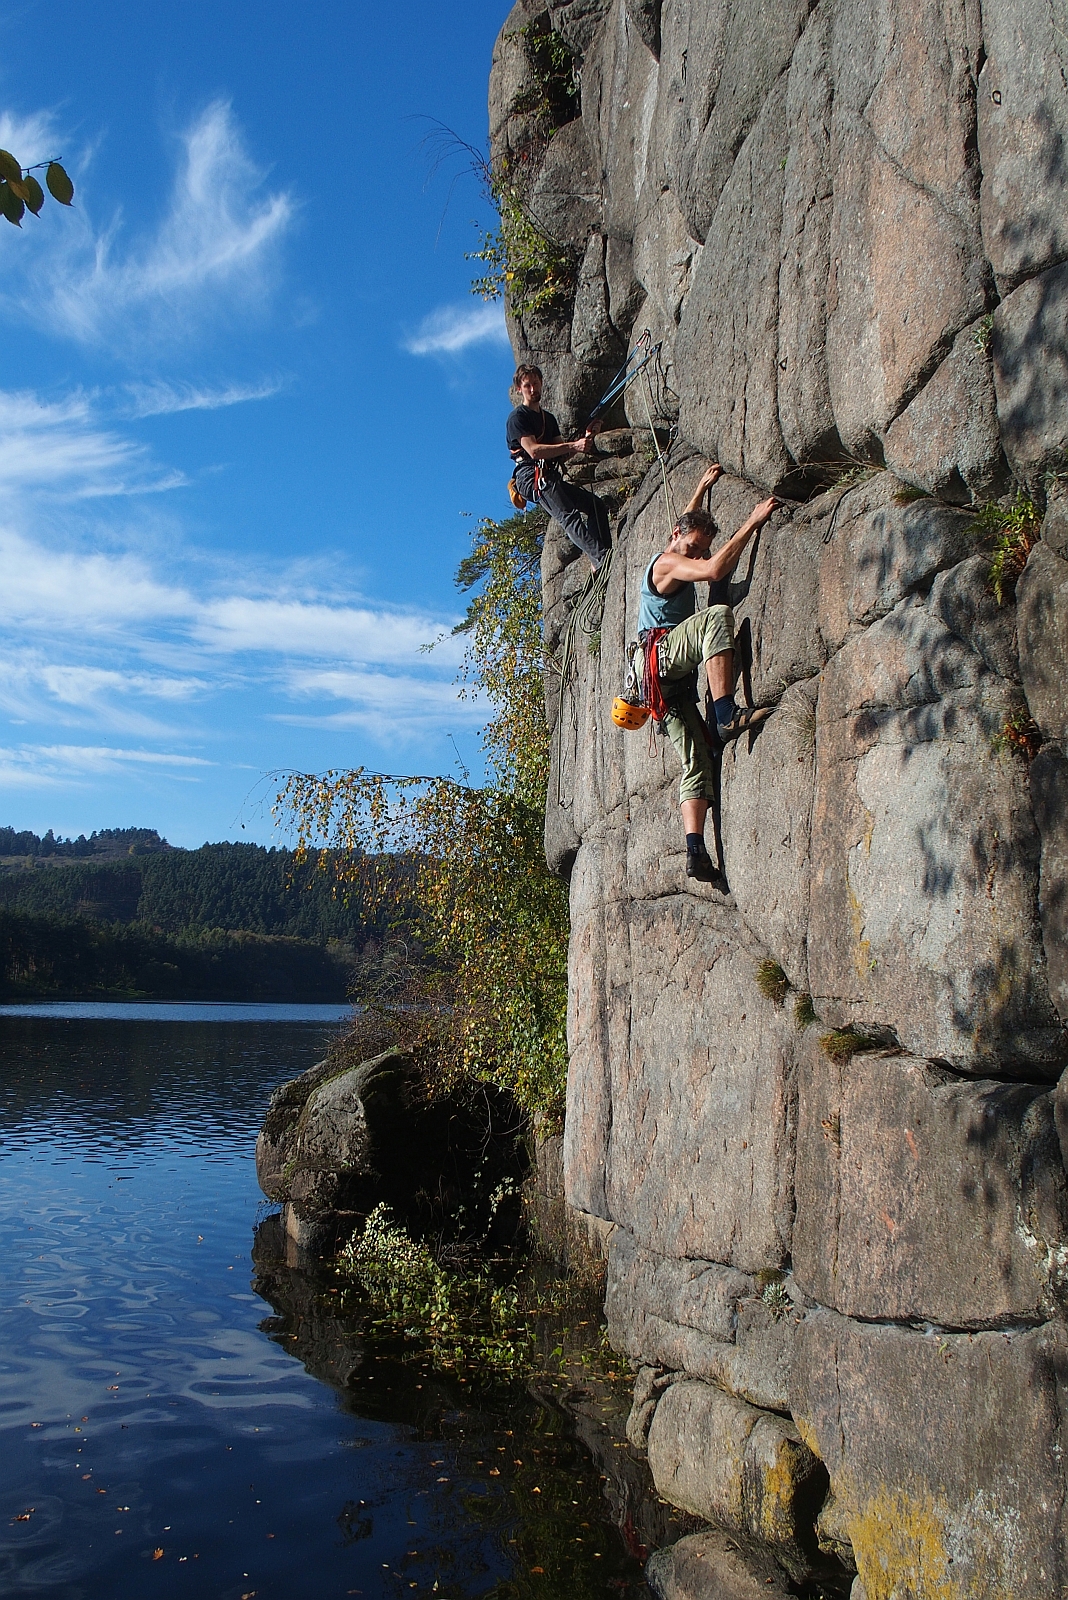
(627, 715)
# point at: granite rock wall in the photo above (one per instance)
(842, 1283)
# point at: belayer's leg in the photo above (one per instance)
(582, 517)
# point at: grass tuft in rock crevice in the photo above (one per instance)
(804, 1012)
(772, 981)
(842, 1044)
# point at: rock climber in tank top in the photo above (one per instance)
(696, 638)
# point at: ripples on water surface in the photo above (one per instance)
(148, 1401)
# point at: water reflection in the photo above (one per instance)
(150, 1400)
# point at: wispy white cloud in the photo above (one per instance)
(215, 249)
(49, 588)
(33, 766)
(79, 695)
(398, 704)
(451, 329)
(311, 628)
(30, 139)
(59, 447)
(160, 398)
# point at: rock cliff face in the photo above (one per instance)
(843, 1282)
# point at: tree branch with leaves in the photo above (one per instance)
(20, 191)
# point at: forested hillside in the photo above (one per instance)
(124, 912)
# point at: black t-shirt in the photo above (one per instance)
(525, 423)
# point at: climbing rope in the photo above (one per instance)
(588, 612)
(644, 352)
(585, 619)
(659, 456)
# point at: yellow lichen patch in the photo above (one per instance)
(808, 1434)
(902, 1545)
(782, 1472)
(862, 947)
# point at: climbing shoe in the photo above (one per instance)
(699, 865)
(743, 721)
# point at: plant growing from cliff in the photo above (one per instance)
(529, 269)
(984, 332)
(553, 93)
(777, 1300)
(1014, 528)
(909, 493)
(804, 1012)
(1019, 735)
(772, 981)
(842, 1044)
(491, 918)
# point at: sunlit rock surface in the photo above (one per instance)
(847, 226)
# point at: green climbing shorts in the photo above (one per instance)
(688, 646)
(704, 635)
(685, 727)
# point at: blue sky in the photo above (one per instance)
(248, 405)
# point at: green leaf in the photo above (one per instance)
(59, 185)
(34, 195)
(10, 205)
(9, 167)
(18, 187)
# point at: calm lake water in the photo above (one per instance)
(165, 1429)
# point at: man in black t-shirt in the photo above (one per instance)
(536, 447)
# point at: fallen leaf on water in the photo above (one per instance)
(24, 1516)
(494, 1472)
(537, 1569)
(112, 1387)
(101, 1491)
(157, 1554)
(86, 1475)
(248, 1595)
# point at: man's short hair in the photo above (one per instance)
(525, 372)
(696, 522)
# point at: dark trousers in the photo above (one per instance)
(581, 515)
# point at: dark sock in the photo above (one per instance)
(695, 841)
(725, 709)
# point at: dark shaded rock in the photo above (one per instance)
(565, 200)
(712, 1566)
(1055, 522)
(806, 415)
(1049, 796)
(718, 67)
(928, 1439)
(962, 598)
(726, 354)
(924, 1199)
(336, 1143)
(1030, 348)
(1042, 624)
(645, 15)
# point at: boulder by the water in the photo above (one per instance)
(336, 1142)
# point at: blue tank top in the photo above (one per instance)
(663, 610)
